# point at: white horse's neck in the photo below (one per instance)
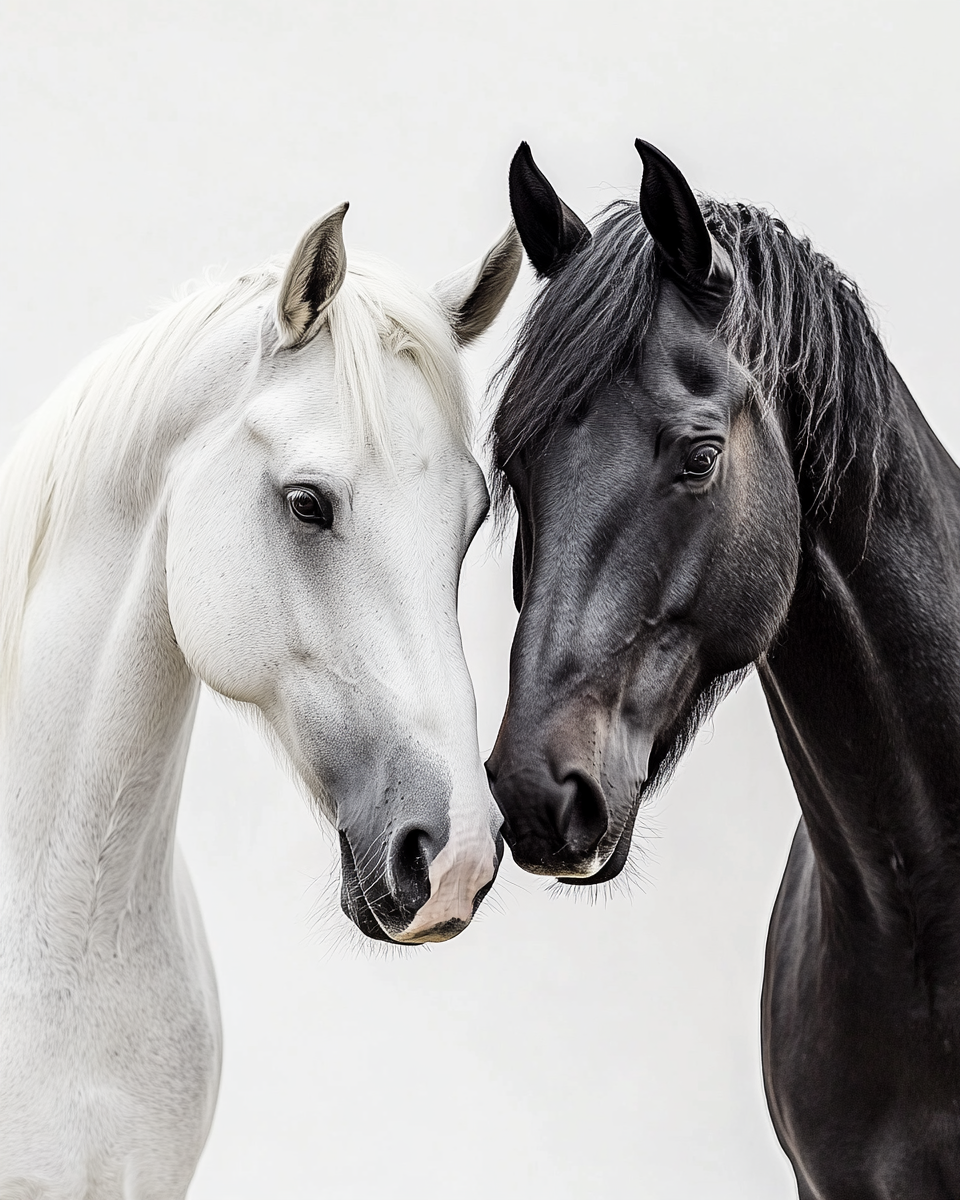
(94, 749)
(107, 997)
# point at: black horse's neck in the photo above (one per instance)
(862, 684)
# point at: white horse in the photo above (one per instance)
(267, 487)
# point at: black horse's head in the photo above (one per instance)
(658, 514)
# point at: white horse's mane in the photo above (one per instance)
(114, 404)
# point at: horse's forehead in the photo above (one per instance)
(304, 424)
(283, 402)
(302, 392)
(295, 383)
(675, 328)
(684, 359)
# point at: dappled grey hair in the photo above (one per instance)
(796, 323)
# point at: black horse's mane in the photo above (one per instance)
(794, 320)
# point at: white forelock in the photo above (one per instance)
(112, 408)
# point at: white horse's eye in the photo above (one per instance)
(310, 507)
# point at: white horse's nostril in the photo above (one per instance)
(408, 864)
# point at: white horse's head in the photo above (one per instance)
(316, 530)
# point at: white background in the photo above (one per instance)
(557, 1049)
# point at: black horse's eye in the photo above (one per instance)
(701, 462)
(310, 507)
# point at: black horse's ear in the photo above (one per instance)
(549, 230)
(672, 215)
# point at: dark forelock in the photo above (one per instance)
(794, 320)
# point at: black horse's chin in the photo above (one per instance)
(617, 860)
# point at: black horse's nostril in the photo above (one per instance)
(409, 867)
(554, 819)
(582, 818)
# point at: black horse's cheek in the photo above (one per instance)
(759, 532)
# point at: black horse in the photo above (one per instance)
(715, 465)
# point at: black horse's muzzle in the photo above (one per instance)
(569, 810)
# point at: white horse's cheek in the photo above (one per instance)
(220, 623)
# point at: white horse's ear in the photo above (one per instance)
(474, 296)
(313, 277)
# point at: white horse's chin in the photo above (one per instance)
(439, 933)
